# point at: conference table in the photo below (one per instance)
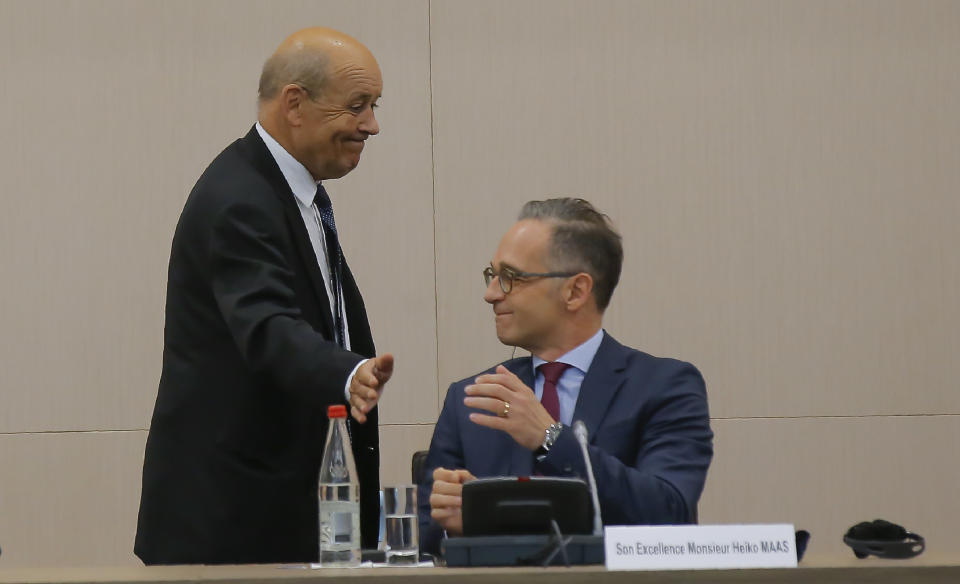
(922, 570)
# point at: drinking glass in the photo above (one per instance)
(400, 513)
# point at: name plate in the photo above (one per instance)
(698, 547)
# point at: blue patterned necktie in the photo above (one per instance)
(334, 257)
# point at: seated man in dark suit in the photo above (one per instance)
(650, 440)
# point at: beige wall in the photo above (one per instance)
(785, 175)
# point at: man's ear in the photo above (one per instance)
(292, 99)
(577, 290)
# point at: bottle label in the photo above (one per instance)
(342, 527)
(339, 524)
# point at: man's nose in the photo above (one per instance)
(493, 292)
(369, 124)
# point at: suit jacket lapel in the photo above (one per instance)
(309, 259)
(264, 162)
(361, 339)
(521, 459)
(601, 383)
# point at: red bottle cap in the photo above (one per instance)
(337, 411)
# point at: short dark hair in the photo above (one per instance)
(583, 239)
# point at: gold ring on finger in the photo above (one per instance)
(506, 410)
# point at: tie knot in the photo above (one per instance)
(322, 199)
(553, 371)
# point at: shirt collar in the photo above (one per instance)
(580, 356)
(298, 177)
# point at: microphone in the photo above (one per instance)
(580, 431)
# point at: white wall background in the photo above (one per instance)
(785, 175)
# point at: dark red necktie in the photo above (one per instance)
(551, 374)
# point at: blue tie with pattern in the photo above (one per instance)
(334, 257)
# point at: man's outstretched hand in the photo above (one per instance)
(367, 384)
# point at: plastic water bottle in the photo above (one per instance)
(339, 496)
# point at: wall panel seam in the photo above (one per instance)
(837, 417)
(102, 431)
(429, 424)
(433, 182)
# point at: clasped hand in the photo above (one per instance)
(525, 419)
(446, 498)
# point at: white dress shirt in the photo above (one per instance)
(304, 189)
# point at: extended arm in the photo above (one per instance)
(253, 286)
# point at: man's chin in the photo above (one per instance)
(350, 163)
(507, 339)
(342, 170)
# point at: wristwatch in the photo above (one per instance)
(549, 438)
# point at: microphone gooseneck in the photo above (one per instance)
(580, 431)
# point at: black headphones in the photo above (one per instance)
(884, 540)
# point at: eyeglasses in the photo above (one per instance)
(507, 276)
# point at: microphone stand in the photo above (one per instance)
(580, 431)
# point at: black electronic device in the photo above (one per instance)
(526, 506)
(884, 540)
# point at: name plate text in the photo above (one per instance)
(697, 547)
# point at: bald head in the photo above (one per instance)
(317, 96)
(307, 58)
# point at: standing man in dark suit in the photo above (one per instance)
(650, 440)
(265, 327)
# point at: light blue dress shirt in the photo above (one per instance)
(568, 386)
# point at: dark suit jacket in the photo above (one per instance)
(650, 441)
(232, 459)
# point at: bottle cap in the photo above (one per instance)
(339, 411)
